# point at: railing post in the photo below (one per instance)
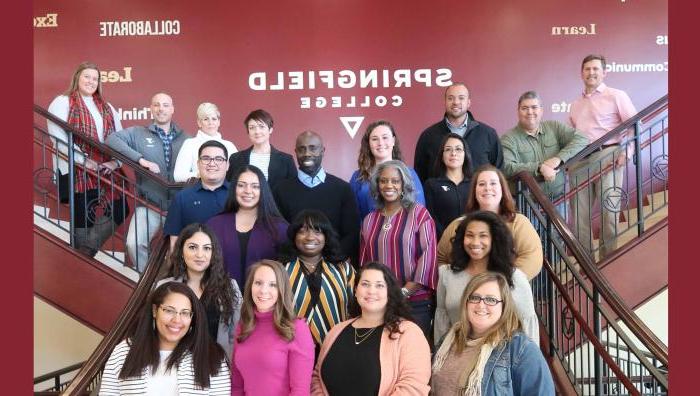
(71, 188)
(638, 174)
(548, 286)
(597, 330)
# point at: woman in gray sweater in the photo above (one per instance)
(482, 243)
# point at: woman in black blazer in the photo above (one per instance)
(275, 165)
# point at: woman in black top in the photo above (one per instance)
(446, 195)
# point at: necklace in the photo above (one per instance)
(310, 267)
(362, 337)
(387, 220)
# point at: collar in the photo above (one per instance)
(599, 89)
(524, 132)
(464, 125)
(173, 128)
(200, 186)
(310, 181)
(202, 135)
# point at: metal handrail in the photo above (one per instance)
(56, 375)
(650, 341)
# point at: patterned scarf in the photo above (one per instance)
(472, 383)
(80, 119)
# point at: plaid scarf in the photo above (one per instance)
(81, 120)
(167, 139)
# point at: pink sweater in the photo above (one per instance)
(404, 361)
(266, 364)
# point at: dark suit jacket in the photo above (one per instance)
(281, 165)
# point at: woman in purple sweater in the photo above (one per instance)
(273, 350)
(250, 228)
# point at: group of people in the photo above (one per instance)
(347, 286)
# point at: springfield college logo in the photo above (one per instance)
(348, 79)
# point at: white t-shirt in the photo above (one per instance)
(161, 383)
(261, 161)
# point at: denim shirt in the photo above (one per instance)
(517, 368)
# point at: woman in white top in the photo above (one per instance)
(208, 120)
(482, 243)
(168, 352)
(85, 110)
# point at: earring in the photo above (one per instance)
(189, 330)
(154, 323)
(401, 195)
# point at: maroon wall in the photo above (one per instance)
(499, 48)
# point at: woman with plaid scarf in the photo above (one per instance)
(99, 208)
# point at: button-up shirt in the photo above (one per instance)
(311, 181)
(599, 112)
(458, 129)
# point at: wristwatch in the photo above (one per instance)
(405, 292)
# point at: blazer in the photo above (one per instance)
(281, 165)
(219, 384)
(404, 361)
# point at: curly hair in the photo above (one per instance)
(365, 160)
(397, 308)
(144, 342)
(317, 221)
(408, 196)
(439, 168)
(506, 209)
(216, 284)
(283, 312)
(502, 254)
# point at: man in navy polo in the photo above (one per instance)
(206, 198)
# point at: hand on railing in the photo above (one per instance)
(151, 166)
(108, 167)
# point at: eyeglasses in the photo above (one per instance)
(206, 160)
(457, 150)
(170, 313)
(488, 300)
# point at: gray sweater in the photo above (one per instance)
(140, 142)
(449, 295)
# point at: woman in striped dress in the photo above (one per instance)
(321, 278)
(401, 234)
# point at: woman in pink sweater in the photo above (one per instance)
(378, 352)
(273, 350)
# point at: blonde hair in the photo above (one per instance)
(506, 325)
(207, 108)
(283, 312)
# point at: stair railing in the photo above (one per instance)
(102, 214)
(580, 311)
(646, 136)
(55, 376)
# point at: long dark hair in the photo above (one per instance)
(268, 214)
(216, 284)
(397, 308)
(506, 208)
(144, 341)
(315, 220)
(283, 312)
(365, 160)
(439, 168)
(502, 254)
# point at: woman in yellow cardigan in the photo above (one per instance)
(489, 191)
(379, 351)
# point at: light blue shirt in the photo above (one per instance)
(310, 181)
(458, 129)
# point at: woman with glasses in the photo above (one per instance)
(274, 351)
(489, 191)
(196, 261)
(482, 243)
(446, 195)
(168, 351)
(485, 352)
(274, 164)
(84, 108)
(320, 276)
(401, 234)
(379, 144)
(250, 228)
(208, 120)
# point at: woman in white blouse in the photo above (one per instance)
(208, 120)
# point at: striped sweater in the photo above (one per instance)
(406, 243)
(219, 385)
(333, 301)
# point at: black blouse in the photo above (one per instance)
(351, 368)
(445, 201)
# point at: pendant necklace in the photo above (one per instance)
(362, 337)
